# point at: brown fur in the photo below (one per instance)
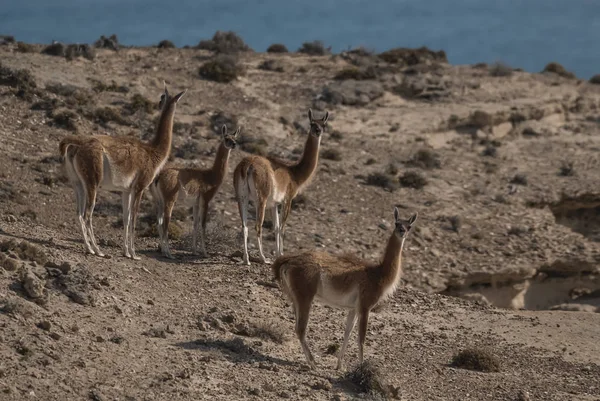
(203, 184)
(268, 182)
(343, 281)
(120, 163)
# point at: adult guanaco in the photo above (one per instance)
(122, 164)
(341, 281)
(202, 184)
(267, 181)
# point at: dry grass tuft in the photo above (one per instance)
(500, 69)
(331, 154)
(224, 42)
(277, 48)
(268, 330)
(412, 179)
(558, 69)
(382, 180)
(425, 159)
(478, 359)
(314, 48)
(367, 379)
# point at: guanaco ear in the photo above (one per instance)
(224, 130)
(166, 91)
(396, 214)
(310, 115)
(413, 218)
(238, 132)
(325, 118)
(179, 96)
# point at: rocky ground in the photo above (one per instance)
(500, 164)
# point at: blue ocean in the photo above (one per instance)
(522, 33)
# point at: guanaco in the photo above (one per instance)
(267, 181)
(173, 183)
(341, 281)
(122, 164)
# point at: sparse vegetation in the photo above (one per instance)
(331, 154)
(500, 69)
(405, 56)
(139, 102)
(314, 48)
(21, 80)
(24, 250)
(65, 119)
(382, 180)
(223, 68)
(567, 169)
(519, 179)
(225, 43)
(595, 79)
(356, 73)
(104, 115)
(277, 48)
(189, 150)
(367, 379)
(413, 179)
(558, 69)
(425, 159)
(76, 50)
(370, 161)
(476, 359)
(257, 146)
(268, 330)
(332, 349)
(271, 65)
(166, 44)
(490, 151)
(23, 47)
(112, 42)
(99, 86)
(336, 135)
(455, 223)
(55, 49)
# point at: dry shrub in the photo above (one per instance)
(277, 48)
(189, 150)
(166, 44)
(478, 359)
(257, 146)
(151, 231)
(99, 86)
(271, 65)
(314, 48)
(21, 80)
(567, 169)
(112, 42)
(595, 79)
(336, 135)
(65, 119)
(367, 379)
(224, 42)
(139, 102)
(331, 154)
(382, 180)
(104, 115)
(412, 179)
(406, 56)
(55, 49)
(268, 330)
(519, 179)
(425, 159)
(23, 47)
(76, 50)
(500, 69)
(223, 68)
(357, 74)
(455, 223)
(16, 307)
(558, 69)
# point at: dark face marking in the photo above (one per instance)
(316, 128)
(230, 142)
(402, 228)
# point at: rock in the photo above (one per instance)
(423, 87)
(321, 385)
(9, 264)
(255, 391)
(33, 286)
(10, 218)
(352, 93)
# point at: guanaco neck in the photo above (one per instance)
(392, 258)
(219, 168)
(164, 132)
(307, 165)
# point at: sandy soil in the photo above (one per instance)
(508, 219)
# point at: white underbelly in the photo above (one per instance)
(112, 179)
(328, 295)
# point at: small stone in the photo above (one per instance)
(65, 267)
(321, 385)
(10, 264)
(284, 394)
(55, 336)
(34, 287)
(11, 219)
(150, 302)
(254, 391)
(99, 339)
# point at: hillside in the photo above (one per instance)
(500, 164)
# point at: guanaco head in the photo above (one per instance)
(403, 226)
(317, 126)
(167, 100)
(230, 140)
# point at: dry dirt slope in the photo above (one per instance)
(113, 329)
